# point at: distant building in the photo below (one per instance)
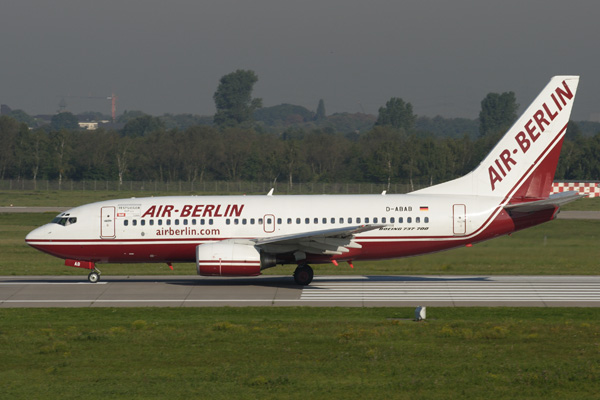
(90, 126)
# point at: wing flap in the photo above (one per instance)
(329, 241)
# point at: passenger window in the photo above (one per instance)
(358, 220)
(426, 220)
(176, 222)
(392, 220)
(367, 220)
(151, 222)
(236, 221)
(298, 220)
(324, 220)
(134, 222)
(383, 220)
(252, 221)
(126, 222)
(332, 220)
(244, 221)
(260, 221)
(185, 221)
(289, 221)
(194, 221)
(202, 221)
(408, 220)
(400, 220)
(350, 220)
(279, 221)
(143, 222)
(210, 221)
(227, 221)
(341, 220)
(160, 222)
(418, 219)
(307, 221)
(316, 220)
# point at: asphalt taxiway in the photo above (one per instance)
(324, 291)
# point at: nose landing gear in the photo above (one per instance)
(94, 276)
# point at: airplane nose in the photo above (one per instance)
(43, 232)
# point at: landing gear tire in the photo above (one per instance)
(94, 277)
(303, 275)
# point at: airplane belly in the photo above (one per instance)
(115, 252)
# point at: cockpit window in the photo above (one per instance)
(64, 221)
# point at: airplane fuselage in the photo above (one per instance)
(168, 229)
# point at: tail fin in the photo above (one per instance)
(523, 163)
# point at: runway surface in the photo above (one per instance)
(344, 291)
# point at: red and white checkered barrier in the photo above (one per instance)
(592, 189)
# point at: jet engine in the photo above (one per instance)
(228, 258)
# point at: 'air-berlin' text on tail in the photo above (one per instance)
(521, 166)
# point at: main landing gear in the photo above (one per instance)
(303, 275)
(94, 276)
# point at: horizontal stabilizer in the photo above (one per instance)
(555, 200)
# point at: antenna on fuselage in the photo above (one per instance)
(271, 192)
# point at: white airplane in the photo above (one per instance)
(242, 235)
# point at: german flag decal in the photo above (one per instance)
(424, 208)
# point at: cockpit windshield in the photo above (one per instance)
(64, 220)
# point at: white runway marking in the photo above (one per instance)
(452, 291)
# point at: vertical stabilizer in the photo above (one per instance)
(523, 163)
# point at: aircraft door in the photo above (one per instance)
(107, 221)
(269, 223)
(459, 216)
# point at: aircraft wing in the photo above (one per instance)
(555, 200)
(329, 241)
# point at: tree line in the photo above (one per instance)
(384, 154)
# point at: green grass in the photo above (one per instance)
(306, 353)
(568, 247)
(299, 353)
(591, 204)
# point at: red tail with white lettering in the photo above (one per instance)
(521, 167)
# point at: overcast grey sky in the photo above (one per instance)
(160, 56)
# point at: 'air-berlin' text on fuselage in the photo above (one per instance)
(530, 133)
(194, 211)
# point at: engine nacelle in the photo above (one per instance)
(230, 259)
